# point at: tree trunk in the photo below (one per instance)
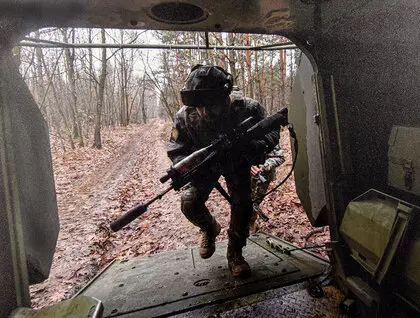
(97, 142)
(40, 91)
(257, 75)
(262, 81)
(69, 57)
(243, 86)
(58, 103)
(232, 57)
(123, 85)
(282, 75)
(248, 67)
(91, 69)
(270, 109)
(143, 102)
(222, 55)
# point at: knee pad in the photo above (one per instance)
(194, 209)
(190, 201)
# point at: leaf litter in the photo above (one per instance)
(94, 187)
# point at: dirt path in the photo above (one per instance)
(163, 227)
(94, 187)
(128, 176)
(82, 204)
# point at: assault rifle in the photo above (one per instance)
(183, 172)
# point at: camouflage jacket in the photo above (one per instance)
(190, 134)
(275, 159)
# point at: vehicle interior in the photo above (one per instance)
(356, 114)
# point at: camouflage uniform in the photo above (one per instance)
(268, 171)
(190, 134)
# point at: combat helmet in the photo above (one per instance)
(206, 85)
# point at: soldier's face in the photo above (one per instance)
(212, 112)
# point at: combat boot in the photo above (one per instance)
(237, 264)
(208, 240)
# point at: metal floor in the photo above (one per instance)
(181, 284)
(290, 301)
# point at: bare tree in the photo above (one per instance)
(249, 67)
(166, 85)
(142, 101)
(65, 87)
(51, 83)
(97, 141)
(70, 72)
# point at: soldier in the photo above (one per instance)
(261, 177)
(209, 111)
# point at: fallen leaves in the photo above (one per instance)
(94, 187)
(285, 211)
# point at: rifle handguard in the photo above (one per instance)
(280, 118)
(261, 128)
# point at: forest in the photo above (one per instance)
(85, 79)
(108, 98)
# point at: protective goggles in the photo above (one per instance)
(202, 97)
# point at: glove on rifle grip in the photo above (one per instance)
(128, 217)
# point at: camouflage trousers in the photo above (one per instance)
(238, 180)
(259, 188)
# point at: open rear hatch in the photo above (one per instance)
(180, 281)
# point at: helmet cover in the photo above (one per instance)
(206, 85)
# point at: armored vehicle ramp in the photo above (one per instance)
(180, 283)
